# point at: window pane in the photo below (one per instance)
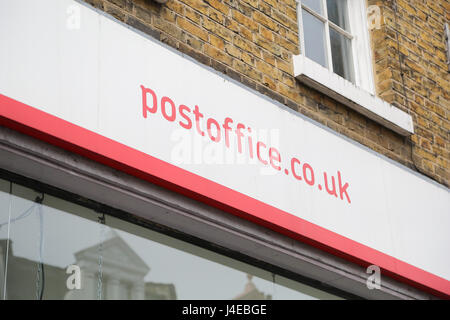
(341, 53)
(314, 34)
(316, 5)
(59, 250)
(337, 13)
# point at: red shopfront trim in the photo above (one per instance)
(61, 133)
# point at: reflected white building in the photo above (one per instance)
(122, 271)
(123, 275)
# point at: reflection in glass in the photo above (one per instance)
(314, 34)
(64, 251)
(342, 55)
(4, 224)
(337, 13)
(315, 5)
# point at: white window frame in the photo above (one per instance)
(359, 35)
(360, 95)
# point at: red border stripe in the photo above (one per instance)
(51, 129)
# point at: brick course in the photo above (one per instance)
(253, 42)
(411, 73)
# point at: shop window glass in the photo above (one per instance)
(60, 250)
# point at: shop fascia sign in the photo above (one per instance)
(114, 95)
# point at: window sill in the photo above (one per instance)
(314, 75)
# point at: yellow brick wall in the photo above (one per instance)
(253, 42)
(411, 73)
